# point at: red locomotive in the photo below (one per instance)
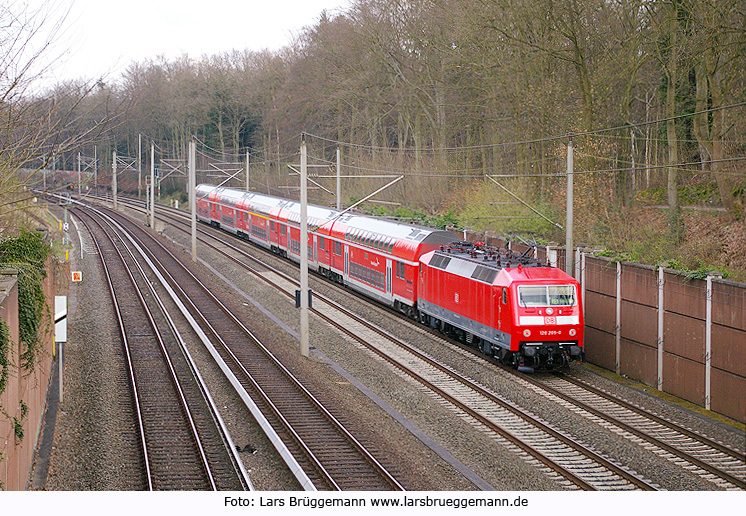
(524, 313)
(527, 314)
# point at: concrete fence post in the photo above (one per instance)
(661, 282)
(708, 338)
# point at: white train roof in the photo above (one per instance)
(319, 214)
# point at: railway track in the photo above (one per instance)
(716, 463)
(569, 459)
(719, 464)
(330, 455)
(182, 446)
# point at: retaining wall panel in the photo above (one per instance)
(640, 284)
(684, 378)
(600, 276)
(599, 348)
(729, 350)
(729, 304)
(685, 297)
(640, 323)
(638, 361)
(728, 393)
(684, 336)
(600, 312)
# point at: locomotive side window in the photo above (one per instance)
(505, 296)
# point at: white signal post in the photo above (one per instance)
(304, 347)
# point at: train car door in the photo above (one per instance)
(347, 261)
(388, 277)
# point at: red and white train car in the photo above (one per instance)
(377, 257)
(522, 312)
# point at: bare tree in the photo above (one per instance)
(36, 127)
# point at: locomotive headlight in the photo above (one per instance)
(527, 333)
(550, 311)
(572, 332)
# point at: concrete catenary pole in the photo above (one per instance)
(247, 170)
(152, 184)
(339, 179)
(303, 248)
(139, 166)
(569, 245)
(114, 178)
(193, 195)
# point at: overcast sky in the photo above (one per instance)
(101, 37)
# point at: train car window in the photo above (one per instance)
(272, 226)
(400, 270)
(282, 230)
(322, 244)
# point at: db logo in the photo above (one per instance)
(550, 320)
(455, 297)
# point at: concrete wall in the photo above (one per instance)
(31, 388)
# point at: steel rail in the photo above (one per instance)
(196, 312)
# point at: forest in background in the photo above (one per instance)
(472, 101)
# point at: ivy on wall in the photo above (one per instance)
(28, 253)
(5, 349)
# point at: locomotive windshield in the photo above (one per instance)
(546, 295)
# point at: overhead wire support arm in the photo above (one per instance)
(361, 201)
(525, 203)
(290, 166)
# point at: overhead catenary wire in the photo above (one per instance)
(531, 141)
